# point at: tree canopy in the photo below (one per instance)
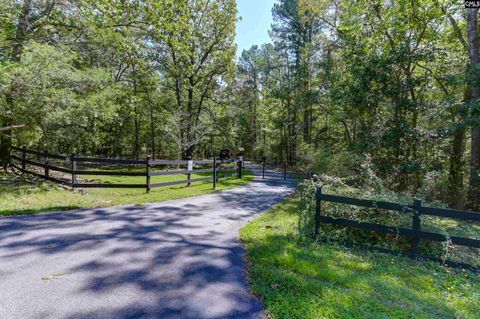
(390, 83)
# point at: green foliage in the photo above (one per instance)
(345, 83)
(341, 84)
(117, 78)
(371, 187)
(54, 98)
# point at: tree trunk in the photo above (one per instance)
(474, 46)
(456, 174)
(21, 32)
(255, 106)
(189, 127)
(136, 119)
(152, 127)
(455, 177)
(137, 135)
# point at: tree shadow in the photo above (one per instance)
(176, 259)
(11, 183)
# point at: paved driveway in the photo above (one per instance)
(174, 259)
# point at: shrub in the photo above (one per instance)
(367, 186)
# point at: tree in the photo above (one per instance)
(474, 47)
(249, 86)
(195, 53)
(296, 23)
(27, 20)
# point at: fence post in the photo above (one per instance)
(189, 168)
(263, 168)
(417, 204)
(214, 172)
(285, 171)
(237, 161)
(45, 161)
(73, 162)
(149, 172)
(24, 156)
(318, 209)
(241, 166)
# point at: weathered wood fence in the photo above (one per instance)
(75, 165)
(416, 211)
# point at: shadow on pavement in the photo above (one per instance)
(177, 259)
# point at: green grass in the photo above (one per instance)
(314, 280)
(21, 195)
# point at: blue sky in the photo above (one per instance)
(256, 20)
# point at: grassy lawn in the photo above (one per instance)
(20, 195)
(312, 280)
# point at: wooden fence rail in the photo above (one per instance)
(69, 165)
(416, 211)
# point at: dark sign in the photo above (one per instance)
(224, 154)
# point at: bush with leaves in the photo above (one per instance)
(366, 185)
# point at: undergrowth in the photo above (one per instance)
(373, 189)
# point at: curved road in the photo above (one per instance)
(174, 259)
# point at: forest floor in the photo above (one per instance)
(301, 279)
(21, 195)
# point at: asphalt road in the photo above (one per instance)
(174, 259)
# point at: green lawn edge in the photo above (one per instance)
(305, 279)
(20, 196)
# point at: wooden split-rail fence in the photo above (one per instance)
(42, 164)
(415, 211)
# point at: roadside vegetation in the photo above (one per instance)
(297, 277)
(22, 195)
(366, 185)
